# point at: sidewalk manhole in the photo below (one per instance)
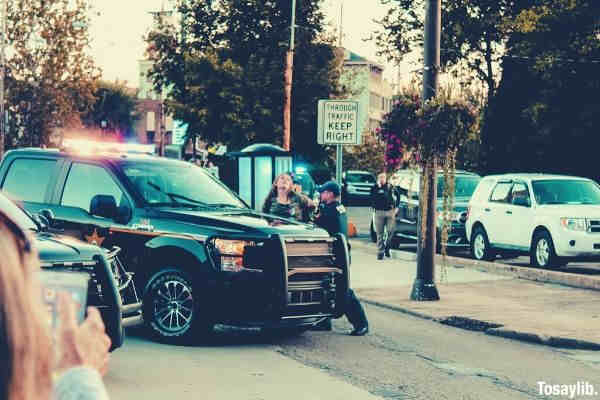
(469, 324)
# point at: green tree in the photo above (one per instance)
(473, 33)
(544, 117)
(224, 70)
(114, 105)
(369, 156)
(50, 77)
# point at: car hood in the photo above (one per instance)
(56, 248)
(236, 221)
(571, 210)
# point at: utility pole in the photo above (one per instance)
(339, 150)
(424, 286)
(289, 68)
(161, 109)
(2, 77)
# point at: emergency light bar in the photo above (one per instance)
(92, 146)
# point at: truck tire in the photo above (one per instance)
(171, 312)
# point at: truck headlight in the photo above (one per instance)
(231, 253)
(574, 224)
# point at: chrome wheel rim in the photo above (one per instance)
(542, 252)
(479, 246)
(174, 306)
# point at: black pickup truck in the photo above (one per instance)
(110, 288)
(199, 255)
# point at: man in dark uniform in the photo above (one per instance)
(333, 218)
(384, 202)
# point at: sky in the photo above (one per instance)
(118, 26)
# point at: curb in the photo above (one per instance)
(528, 337)
(528, 273)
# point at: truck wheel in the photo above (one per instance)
(480, 245)
(171, 312)
(542, 253)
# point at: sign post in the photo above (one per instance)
(338, 124)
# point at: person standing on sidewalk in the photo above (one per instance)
(333, 218)
(383, 203)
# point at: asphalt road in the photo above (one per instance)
(402, 358)
(361, 217)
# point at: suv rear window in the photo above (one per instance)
(501, 192)
(28, 178)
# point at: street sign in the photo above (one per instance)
(179, 131)
(338, 122)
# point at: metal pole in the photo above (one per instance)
(424, 286)
(289, 67)
(2, 76)
(338, 163)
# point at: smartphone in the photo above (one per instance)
(73, 283)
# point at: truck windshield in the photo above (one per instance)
(179, 184)
(566, 191)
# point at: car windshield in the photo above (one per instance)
(464, 186)
(566, 191)
(359, 178)
(179, 184)
(17, 214)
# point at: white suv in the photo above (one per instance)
(555, 219)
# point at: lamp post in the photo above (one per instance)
(424, 286)
(289, 67)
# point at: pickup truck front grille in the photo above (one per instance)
(313, 274)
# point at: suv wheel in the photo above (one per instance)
(480, 245)
(170, 309)
(543, 254)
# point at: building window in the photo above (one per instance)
(150, 137)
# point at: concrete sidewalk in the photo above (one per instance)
(500, 305)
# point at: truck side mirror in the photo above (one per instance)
(104, 206)
(48, 215)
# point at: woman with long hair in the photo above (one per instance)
(32, 367)
(285, 202)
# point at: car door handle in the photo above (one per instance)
(509, 212)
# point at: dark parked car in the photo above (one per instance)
(110, 287)
(407, 183)
(200, 255)
(356, 186)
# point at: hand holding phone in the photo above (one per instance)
(85, 344)
(74, 284)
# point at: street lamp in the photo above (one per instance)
(424, 286)
(289, 67)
